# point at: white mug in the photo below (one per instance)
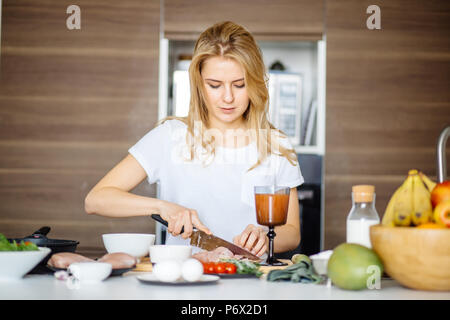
(90, 271)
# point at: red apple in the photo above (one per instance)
(440, 193)
(442, 213)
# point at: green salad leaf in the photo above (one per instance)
(5, 245)
(245, 266)
(3, 239)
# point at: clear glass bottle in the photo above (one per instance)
(362, 215)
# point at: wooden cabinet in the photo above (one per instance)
(387, 99)
(266, 19)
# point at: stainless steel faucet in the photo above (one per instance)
(441, 161)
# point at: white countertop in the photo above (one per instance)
(127, 287)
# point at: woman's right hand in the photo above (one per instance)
(179, 217)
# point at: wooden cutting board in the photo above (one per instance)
(146, 266)
(267, 269)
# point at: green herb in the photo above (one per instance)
(3, 238)
(299, 272)
(245, 266)
(5, 245)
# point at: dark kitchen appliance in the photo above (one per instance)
(40, 239)
(310, 200)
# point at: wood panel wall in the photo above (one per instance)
(266, 19)
(388, 99)
(71, 104)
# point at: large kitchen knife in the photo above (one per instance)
(210, 242)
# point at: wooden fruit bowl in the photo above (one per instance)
(416, 258)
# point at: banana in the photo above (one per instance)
(428, 182)
(388, 217)
(404, 204)
(422, 202)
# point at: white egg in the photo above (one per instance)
(192, 270)
(167, 271)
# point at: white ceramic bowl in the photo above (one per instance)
(134, 244)
(159, 253)
(92, 272)
(320, 261)
(15, 264)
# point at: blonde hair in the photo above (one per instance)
(230, 40)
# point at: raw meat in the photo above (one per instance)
(64, 259)
(119, 260)
(215, 255)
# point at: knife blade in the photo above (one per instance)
(210, 242)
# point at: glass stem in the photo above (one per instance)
(271, 234)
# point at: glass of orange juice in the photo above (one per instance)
(271, 203)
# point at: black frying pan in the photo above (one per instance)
(40, 239)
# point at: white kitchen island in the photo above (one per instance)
(128, 287)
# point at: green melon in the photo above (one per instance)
(348, 267)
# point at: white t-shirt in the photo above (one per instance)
(221, 192)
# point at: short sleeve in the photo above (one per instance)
(289, 175)
(150, 151)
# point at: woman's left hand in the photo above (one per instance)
(253, 239)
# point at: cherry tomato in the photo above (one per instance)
(208, 267)
(230, 268)
(219, 267)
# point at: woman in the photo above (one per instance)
(208, 162)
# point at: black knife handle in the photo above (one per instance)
(158, 218)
